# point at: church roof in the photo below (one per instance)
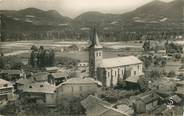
(95, 40)
(120, 61)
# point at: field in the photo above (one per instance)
(22, 48)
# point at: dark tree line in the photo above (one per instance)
(173, 48)
(42, 57)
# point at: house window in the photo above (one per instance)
(138, 67)
(99, 53)
(115, 73)
(5, 85)
(134, 72)
(72, 89)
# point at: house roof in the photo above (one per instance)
(41, 76)
(148, 97)
(120, 61)
(133, 79)
(11, 72)
(80, 81)
(59, 74)
(51, 68)
(97, 107)
(91, 101)
(125, 108)
(2, 82)
(39, 87)
(24, 81)
(180, 90)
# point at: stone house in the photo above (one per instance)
(77, 87)
(57, 78)
(6, 90)
(12, 75)
(41, 93)
(51, 69)
(146, 102)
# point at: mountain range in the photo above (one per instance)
(156, 13)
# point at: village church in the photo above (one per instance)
(110, 71)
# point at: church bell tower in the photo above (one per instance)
(95, 54)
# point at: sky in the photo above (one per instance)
(73, 8)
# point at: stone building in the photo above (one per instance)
(77, 87)
(6, 90)
(95, 55)
(39, 93)
(110, 71)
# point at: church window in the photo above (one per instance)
(72, 89)
(108, 74)
(99, 53)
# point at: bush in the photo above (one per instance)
(66, 61)
(171, 74)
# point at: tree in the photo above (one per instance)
(51, 57)
(143, 84)
(146, 46)
(34, 48)
(154, 74)
(40, 57)
(2, 63)
(171, 74)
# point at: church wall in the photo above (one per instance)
(112, 75)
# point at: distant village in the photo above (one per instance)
(147, 84)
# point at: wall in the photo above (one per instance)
(151, 105)
(70, 90)
(111, 76)
(50, 98)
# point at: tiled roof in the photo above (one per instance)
(180, 90)
(24, 81)
(120, 61)
(59, 74)
(133, 79)
(10, 72)
(51, 68)
(80, 81)
(2, 82)
(148, 97)
(39, 87)
(97, 107)
(42, 76)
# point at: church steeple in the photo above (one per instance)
(95, 40)
(95, 54)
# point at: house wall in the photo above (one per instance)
(51, 80)
(150, 106)
(140, 107)
(111, 76)
(70, 90)
(50, 98)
